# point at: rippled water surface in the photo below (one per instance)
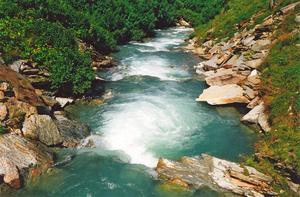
(152, 114)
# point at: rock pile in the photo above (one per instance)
(230, 68)
(218, 174)
(31, 127)
(18, 154)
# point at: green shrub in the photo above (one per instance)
(46, 31)
(2, 130)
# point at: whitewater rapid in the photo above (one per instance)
(146, 123)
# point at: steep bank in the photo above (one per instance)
(258, 64)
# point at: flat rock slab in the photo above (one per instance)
(221, 95)
(218, 174)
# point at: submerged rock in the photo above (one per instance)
(220, 95)
(19, 154)
(205, 170)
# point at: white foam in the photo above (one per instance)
(154, 66)
(150, 122)
(144, 127)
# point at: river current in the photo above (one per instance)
(152, 113)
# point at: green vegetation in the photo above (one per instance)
(278, 151)
(47, 31)
(281, 90)
(2, 130)
(236, 12)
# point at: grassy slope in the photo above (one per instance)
(237, 12)
(281, 86)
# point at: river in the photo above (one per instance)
(152, 114)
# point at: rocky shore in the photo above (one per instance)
(33, 121)
(230, 68)
(221, 175)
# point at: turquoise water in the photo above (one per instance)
(152, 114)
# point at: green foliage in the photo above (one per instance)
(236, 12)
(46, 31)
(281, 90)
(200, 12)
(2, 130)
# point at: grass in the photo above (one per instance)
(236, 12)
(278, 151)
(281, 90)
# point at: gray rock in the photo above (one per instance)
(248, 41)
(249, 93)
(72, 131)
(16, 66)
(223, 77)
(254, 63)
(218, 174)
(91, 141)
(261, 45)
(258, 116)
(252, 116)
(42, 128)
(263, 122)
(210, 64)
(18, 154)
(64, 101)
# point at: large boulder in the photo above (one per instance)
(220, 95)
(252, 116)
(258, 116)
(42, 128)
(19, 154)
(221, 175)
(72, 131)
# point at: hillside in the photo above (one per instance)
(265, 42)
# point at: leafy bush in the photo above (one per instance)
(46, 31)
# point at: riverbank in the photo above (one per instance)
(241, 69)
(151, 112)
